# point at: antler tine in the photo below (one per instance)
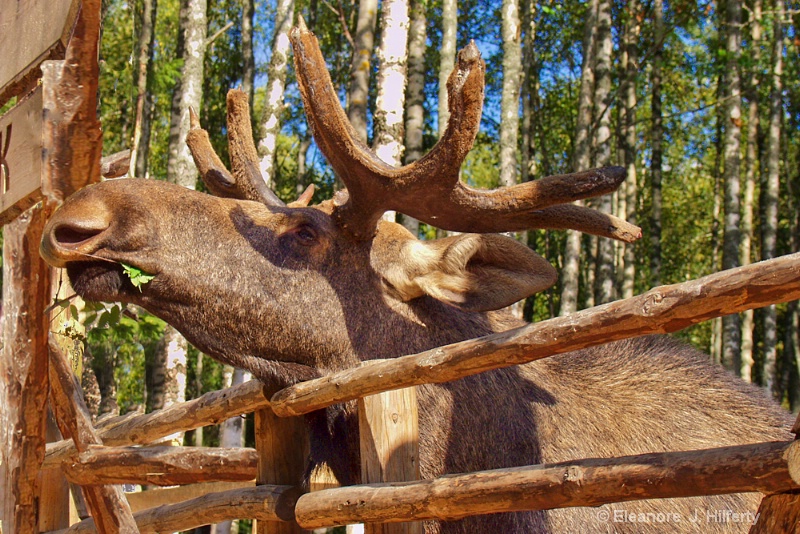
(242, 150)
(217, 178)
(246, 182)
(429, 189)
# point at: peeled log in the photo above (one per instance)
(659, 311)
(265, 503)
(209, 409)
(161, 466)
(761, 467)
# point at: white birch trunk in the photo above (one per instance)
(509, 106)
(276, 85)
(581, 160)
(447, 57)
(195, 25)
(391, 98)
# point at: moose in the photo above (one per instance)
(292, 292)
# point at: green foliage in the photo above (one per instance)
(137, 276)
(119, 338)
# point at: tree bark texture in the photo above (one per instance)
(391, 94)
(581, 158)
(194, 25)
(447, 57)
(769, 198)
(732, 114)
(276, 85)
(604, 261)
(509, 105)
(751, 167)
(629, 194)
(144, 64)
(358, 94)
(762, 467)
(415, 93)
(657, 142)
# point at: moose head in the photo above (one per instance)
(251, 280)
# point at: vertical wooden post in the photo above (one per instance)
(54, 497)
(23, 371)
(282, 445)
(389, 434)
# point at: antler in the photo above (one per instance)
(245, 182)
(430, 189)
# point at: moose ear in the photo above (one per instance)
(474, 272)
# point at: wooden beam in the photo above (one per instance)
(106, 503)
(282, 446)
(264, 503)
(389, 444)
(21, 157)
(116, 165)
(33, 32)
(209, 409)
(161, 466)
(71, 130)
(778, 513)
(592, 482)
(23, 371)
(142, 500)
(660, 310)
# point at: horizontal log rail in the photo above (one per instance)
(265, 503)
(661, 310)
(209, 409)
(161, 466)
(762, 467)
(142, 500)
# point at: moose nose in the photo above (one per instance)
(72, 238)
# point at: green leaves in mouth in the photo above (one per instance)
(138, 277)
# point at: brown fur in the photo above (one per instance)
(283, 293)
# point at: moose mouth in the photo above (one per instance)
(99, 280)
(95, 271)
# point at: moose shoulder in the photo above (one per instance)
(293, 292)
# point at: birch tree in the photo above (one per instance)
(391, 92)
(629, 193)
(143, 110)
(276, 85)
(769, 196)
(604, 270)
(581, 158)
(657, 143)
(415, 93)
(509, 106)
(751, 166)
(180, 167)
(358, 94)
(447, 58)
(731, 238)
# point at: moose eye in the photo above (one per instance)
(305, 234)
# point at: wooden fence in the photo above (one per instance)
(387, 417)
(216, 484)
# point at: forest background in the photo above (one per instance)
(700, 101)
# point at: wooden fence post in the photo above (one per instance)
(282, 446)
(389, 442)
